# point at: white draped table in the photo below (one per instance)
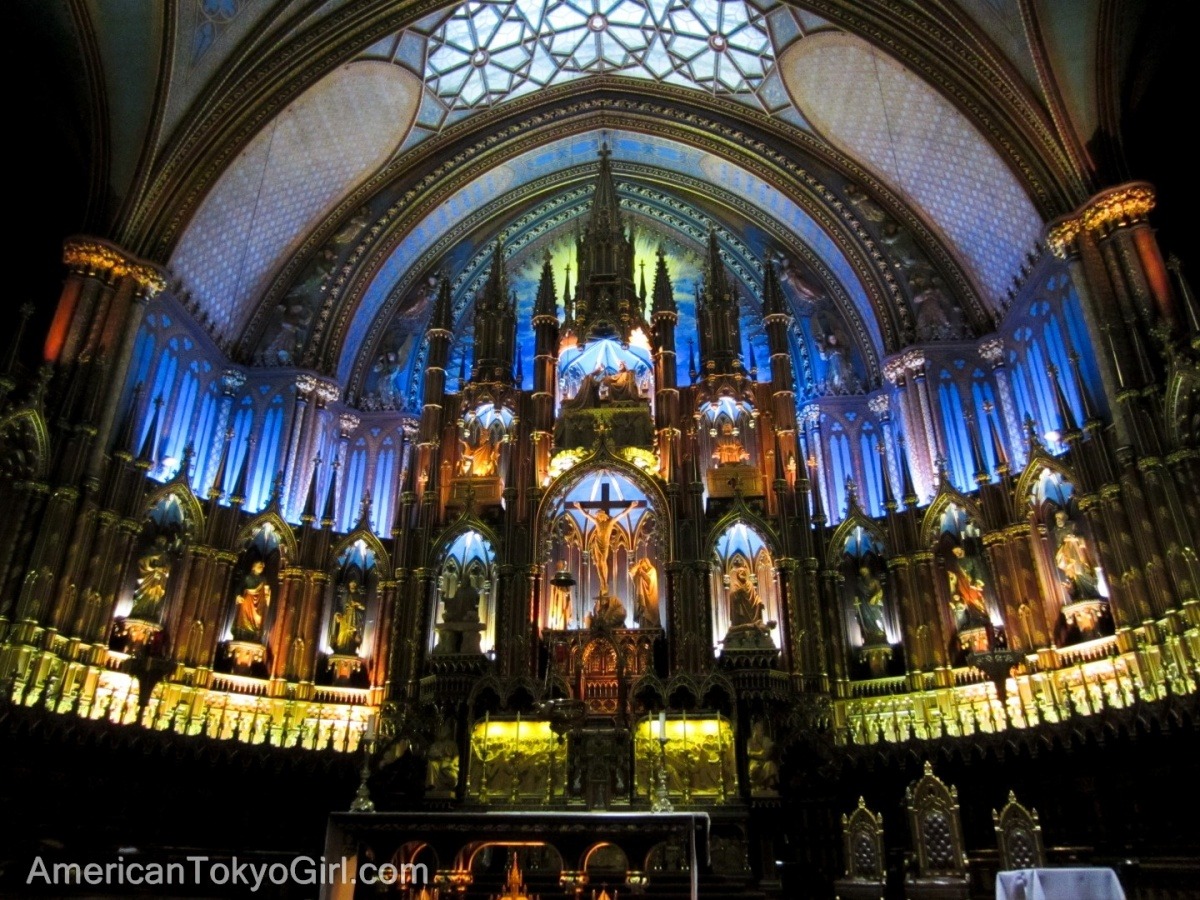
(1058, 884)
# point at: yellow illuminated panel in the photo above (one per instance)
(515, 762)
(698, 754)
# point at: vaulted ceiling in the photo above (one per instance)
(345, 152)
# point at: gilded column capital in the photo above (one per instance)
(1119, 207)
(327, 391)
(305, 384)
(232, 381)
(348, 423)
(879, 405)
(894, 370)
(992, 352)
(92, 256)
(1061, 235)
(811, 415)
(914, 361)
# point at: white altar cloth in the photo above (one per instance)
(1059, 884)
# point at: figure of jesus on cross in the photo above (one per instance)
(599, 541)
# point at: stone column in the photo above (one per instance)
(293, 465)
(991, 351)
(917, 439)
(880, 407)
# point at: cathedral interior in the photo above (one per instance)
(569, 432)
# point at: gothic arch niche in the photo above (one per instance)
(971, 605)
(602, 527)
(138, 618)
(464, 602)
(868, 603)
(605, 382)
(255, 587)
(745, 591)
(598, 367)
(352, 613)
(1077, 595)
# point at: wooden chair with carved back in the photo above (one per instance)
(1018, 836)
(939, 871)
(866, 874)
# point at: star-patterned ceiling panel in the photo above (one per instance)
(916, 141)
(286, 180)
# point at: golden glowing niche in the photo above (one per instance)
(515, 762)
(699, 756)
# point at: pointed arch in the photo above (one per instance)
(1040, 460)
(740, 513)
(847, 526)
(287, 539)
(1182, 405)
(560, 486)
(931, 524)
(382, 559)
(193, 512)
(456, 529)
(29, 454)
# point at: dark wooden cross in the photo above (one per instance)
(607, 503)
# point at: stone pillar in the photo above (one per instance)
(919, 458)
(293, 465)
(991, 351)
(880, 407)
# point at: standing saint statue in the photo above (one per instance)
(154, 568)
(560, 602)
(252, 603)
(645, 584)
(1075, 560)
(967, 599)
(868, 606)
(599, 542)
(745, 605)
(346, 629)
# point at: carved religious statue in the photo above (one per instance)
(345, 633)
(967, 600)
(600, 541)
(748, 628)
(442, 760)
(868, 606)
(762, 761)
(729, 450)
(560, 602)
(387, 367)
(1075, 560)
(479, 459)
(460, 630)
(588, 395)
(596, 386)
(252, 603)
(622, 385)
(839, 374)
(645, 584)
(154, 569)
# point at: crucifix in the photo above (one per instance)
(598, 541)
